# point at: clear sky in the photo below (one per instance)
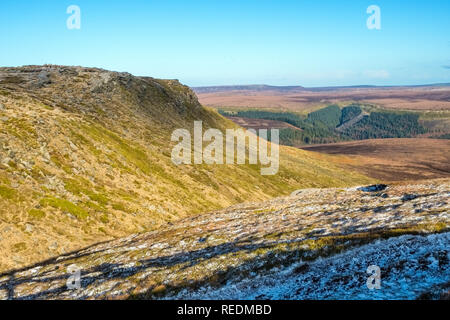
(279, 42)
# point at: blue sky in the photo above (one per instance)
(310, 43)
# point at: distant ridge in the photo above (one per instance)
(264, 87)
(252, 87)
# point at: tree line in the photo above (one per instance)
(320, 126)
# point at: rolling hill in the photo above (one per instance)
(85, 157)
(314, 244)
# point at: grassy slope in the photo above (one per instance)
(85, 157)
(339, 230)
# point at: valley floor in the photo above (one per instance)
(393, 159)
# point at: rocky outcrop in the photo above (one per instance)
(87, 89)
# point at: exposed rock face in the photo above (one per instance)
(83, 89)
(269, 250)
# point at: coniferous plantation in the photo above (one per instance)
(386, 125)
(329, 124)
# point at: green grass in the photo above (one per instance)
(19, 246)
(60, 162)
(36, 213)
(104, 219)
(66, 206)
(119, 207)
(5, 180)
(22, 130)
(133, 153)
(7, 193)
(82, 186)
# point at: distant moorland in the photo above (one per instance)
(300, 99)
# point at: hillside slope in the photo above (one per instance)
(85, 156)
(315, 244)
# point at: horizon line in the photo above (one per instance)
(322, 87)
(240, 85)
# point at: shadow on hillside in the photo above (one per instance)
(13, 280)
(109, 271)
(55, 278)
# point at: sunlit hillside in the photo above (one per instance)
(86, 156)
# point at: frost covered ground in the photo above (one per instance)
(410, 266)
(315, 244)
